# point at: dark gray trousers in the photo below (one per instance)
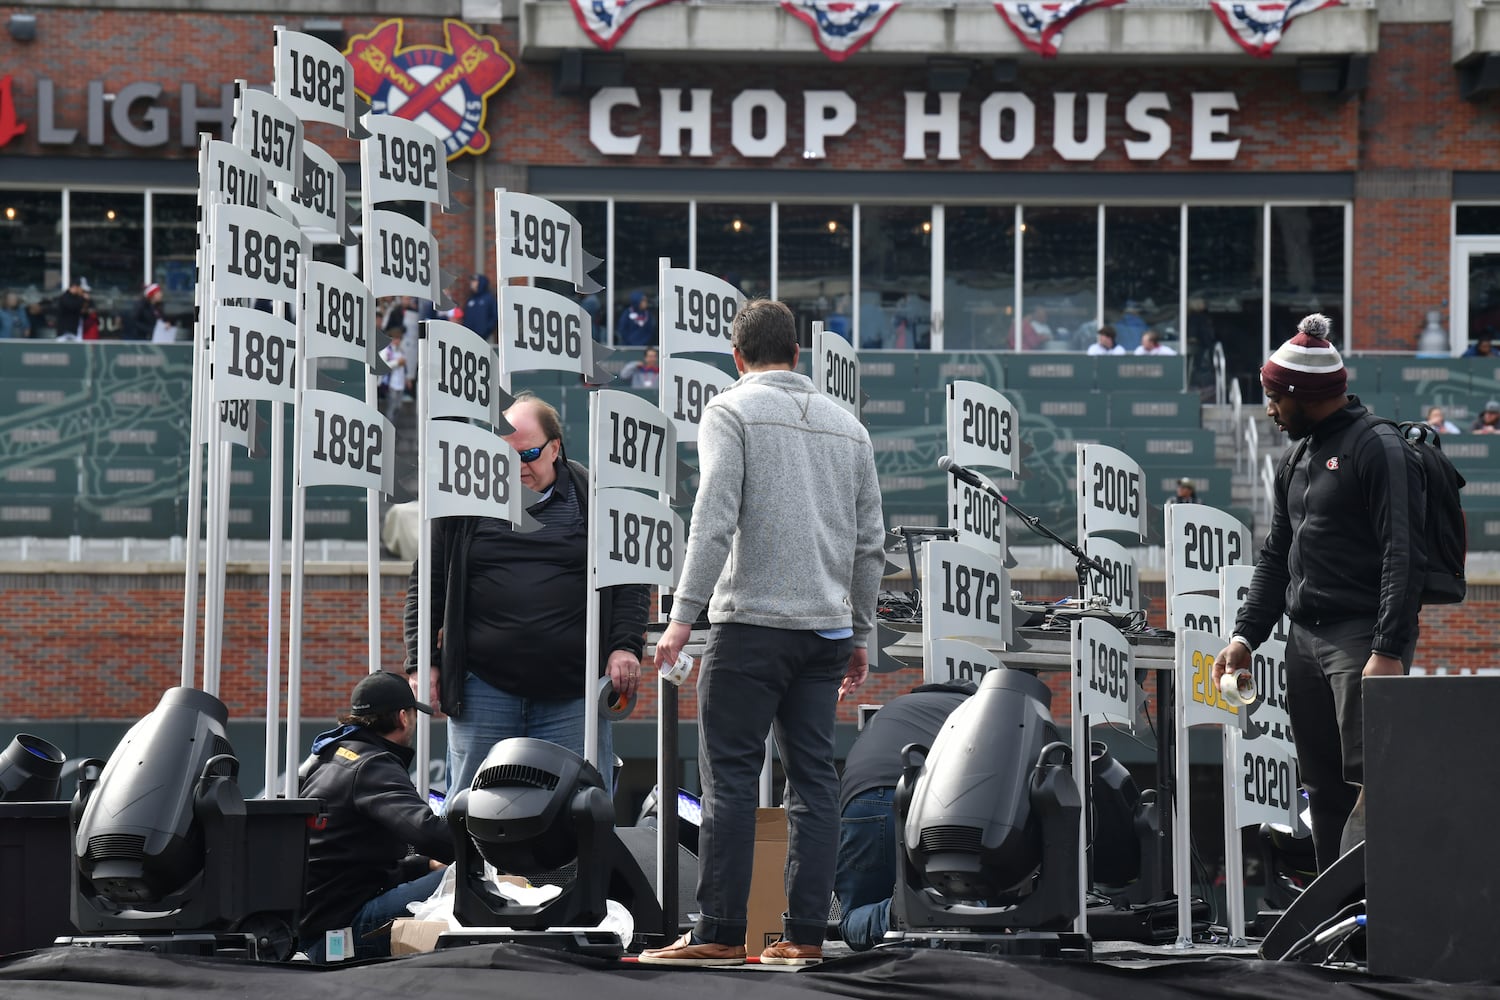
(1324, 672)
(754, 680)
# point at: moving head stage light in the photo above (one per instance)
(30, 770)
(987, 828)
(1124, 850)
(535, 809)
(165, 843)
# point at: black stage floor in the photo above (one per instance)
(500, 972)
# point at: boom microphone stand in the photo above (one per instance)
(1086, 564)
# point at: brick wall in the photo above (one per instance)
(104, 645)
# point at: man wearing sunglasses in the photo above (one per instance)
(511, 609)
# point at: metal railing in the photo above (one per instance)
(1220, 367)
(79, 549)
(1268, 485)
(1251, 437)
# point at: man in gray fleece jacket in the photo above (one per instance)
(787, 537)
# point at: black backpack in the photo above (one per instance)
(1446, 531)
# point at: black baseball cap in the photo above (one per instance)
(384, 692)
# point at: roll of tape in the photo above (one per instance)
(612, 707)
(1238, 688)
(679, 671)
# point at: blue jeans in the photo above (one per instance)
(376, 914)
(755, 679)
(866, 874)
(491, 715)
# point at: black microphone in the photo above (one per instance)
(959, 472)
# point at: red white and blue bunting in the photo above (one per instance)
(841, 27)
(605, 21)
(1258, 27)
(1039, 26)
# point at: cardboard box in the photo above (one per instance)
(767, 881)
(410, 936)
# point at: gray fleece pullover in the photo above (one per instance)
(787, 528)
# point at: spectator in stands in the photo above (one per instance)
(392, 387)
(1151, 344)
(637, 326)
(645, 373)
(1105, 344)
(71, 306)
(361, 872)
(141, 325)
(37, 317)
(911, 323)
(13, 319)
(481, 310)
(1488, 421)
(92, 325)
(1187, 492)
(595, 310)
(1440, 423)
(1035, 332)
(866, 869)
(1130, 327)
(838, 321)
(1200, 342)
(1483, 346)
(391, 311)
(411, 334)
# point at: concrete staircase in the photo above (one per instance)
(406, 455)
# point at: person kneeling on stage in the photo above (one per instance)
(360, 872)
(866, 874)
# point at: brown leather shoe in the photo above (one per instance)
(791, 953)
(684, 952)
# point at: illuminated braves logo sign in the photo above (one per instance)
(444, 89)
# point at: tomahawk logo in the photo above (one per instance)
(9, 127)
(443, 89)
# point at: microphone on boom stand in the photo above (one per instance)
(1086, 562)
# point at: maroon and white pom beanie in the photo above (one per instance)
(1307, 366)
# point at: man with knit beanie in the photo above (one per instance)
(1344, 560)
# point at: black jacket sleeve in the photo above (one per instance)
(626, 628)
(142, 321)
(437, 594)
(1266, 601)
(385, 795)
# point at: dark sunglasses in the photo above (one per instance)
(532, 454)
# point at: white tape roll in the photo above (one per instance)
(1238, 688)
(678, 671)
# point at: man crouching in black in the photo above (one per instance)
(380, 846)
